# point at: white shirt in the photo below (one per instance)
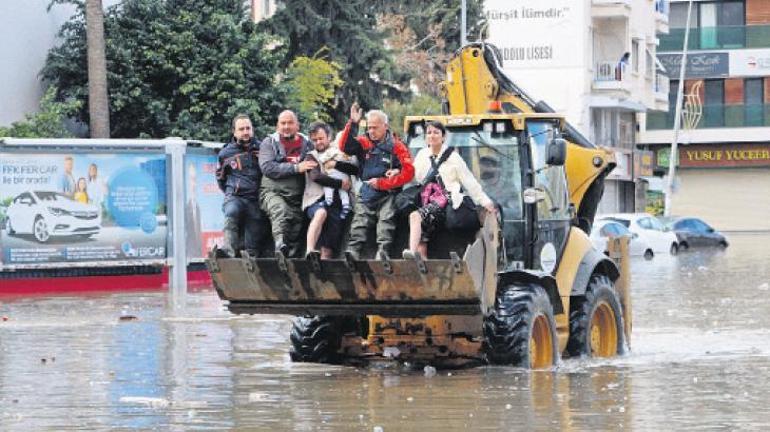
(454, 173)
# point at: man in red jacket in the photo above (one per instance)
(385, 165)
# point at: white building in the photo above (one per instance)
(569, 53)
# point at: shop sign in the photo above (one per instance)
(700, 65)
(643, 163)
(662, 157)
(750, 62)
(725, 155)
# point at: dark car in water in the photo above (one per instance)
(694, 232)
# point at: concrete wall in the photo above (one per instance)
(27, 32)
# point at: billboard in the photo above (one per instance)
(69, 208)
(203, 205)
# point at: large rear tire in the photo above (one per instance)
(596, 321)
(317, 339)
(521, 331)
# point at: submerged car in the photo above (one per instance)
(649, 229)
(605, 229)
(694, 232)
(45, 214)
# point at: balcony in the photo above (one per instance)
(722, 37)
(717, 116)
(611, 9)
(612, 75)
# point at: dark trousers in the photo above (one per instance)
(244, 224)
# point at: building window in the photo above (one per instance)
(714, 105)
(635, 55)
(753, 98)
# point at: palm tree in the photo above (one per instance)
(98, 102)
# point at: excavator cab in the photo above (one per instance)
(519, 162)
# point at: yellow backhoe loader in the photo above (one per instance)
(523, 290)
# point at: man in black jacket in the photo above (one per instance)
(239, 177)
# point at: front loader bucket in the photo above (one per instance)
(390, 288)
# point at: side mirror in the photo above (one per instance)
(710, 230)
(557, 152)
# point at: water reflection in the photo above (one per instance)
(699, 359)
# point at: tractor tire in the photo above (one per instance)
(521, 331)
(596, 321)
(317, 339)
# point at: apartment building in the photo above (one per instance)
(723, 173)
(595, 62)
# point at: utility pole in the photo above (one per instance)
(673, 159)
(463, 19)
(98, 102)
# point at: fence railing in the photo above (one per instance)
(717, 116)
(721, 37)
(608, 71)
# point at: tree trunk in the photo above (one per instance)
(98, 102)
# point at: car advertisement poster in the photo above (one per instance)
(67, 208)
(203, 205)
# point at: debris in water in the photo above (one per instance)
(377, 429)
(430, 371)
(5, 318)
(764, 287)
(128, 318)
(410, 399)
(508, 406)
(152, 402)
(391, 352)
(702, 268)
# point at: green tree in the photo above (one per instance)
(48, 122)
(419, 105)
(175, 68)
(313, 82)
(349, 29)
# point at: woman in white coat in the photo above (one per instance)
(457, 180)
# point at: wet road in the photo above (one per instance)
(700, 360)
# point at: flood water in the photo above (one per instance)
(699, 360)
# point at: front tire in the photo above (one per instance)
(649, 254)
(674, 249)
(40, 230)
(8, 227)
(521, 331)
(317, 339)
(596, 321)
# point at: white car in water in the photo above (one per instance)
(650, 230)
(603, 230)
(45, 214)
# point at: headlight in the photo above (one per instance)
(58, 212)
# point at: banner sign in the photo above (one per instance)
(82, 207)
(699, 65)
(750, 62)
(203, 205)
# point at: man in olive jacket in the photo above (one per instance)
(282, 159)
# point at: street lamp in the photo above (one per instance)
(673, 159)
